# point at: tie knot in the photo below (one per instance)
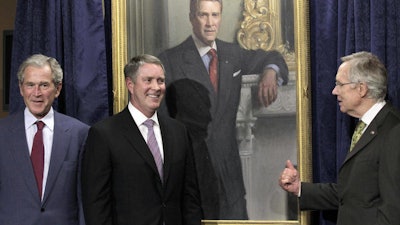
(212, 52)
(148, 123)
(360, 125)
(39, 125)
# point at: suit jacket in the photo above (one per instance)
(19, 197)
(121, 184)
(367, 189)
(211, 118)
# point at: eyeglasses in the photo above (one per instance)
(337, 83)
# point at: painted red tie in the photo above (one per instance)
(213, 68)
(37, 156)
(153, 146)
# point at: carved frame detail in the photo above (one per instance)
(255, 15)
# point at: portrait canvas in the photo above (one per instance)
(266, 136)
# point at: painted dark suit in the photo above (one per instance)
(367, 187)
(211, 118)
(19, 198)
(121, 184)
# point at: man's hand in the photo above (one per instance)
(268, 87)
(290, 179)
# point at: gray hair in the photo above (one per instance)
(194, 6)
(39, 60)
(366, 67)
(132, 67)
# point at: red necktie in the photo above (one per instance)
(37, 156)
(213, 68)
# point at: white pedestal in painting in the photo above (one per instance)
(267, 138)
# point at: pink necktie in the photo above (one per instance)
(213, 68)
(153, 145)
(37, 156)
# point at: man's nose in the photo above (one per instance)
(334, 91)
(37, 90)
(209, 21)
(155, 85)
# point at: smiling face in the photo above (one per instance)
(148, 90)
(206, 21)
(39, 90)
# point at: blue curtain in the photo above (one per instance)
(73, 32)
(338, 28)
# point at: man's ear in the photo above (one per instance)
(363, 89)
(58, 89)
(20, 88)
(129, 84)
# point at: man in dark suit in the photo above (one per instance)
(209, 109)
(367, 187)
(123, 182)
(40, 186)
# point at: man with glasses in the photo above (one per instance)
(368, 184)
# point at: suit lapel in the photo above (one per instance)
(194, 69)
(193, 66)
(370, 133)
(166, 137)
(225, 73)
(60, 147)
(20, 153)
(367, 137)
(135, 139)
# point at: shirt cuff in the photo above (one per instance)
(276, 68)
(299, 194)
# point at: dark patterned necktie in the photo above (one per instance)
(153, 145)
(213, 68)
(37, 156)
(357, 134)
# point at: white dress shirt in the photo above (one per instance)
(48, 132)
(140, 118)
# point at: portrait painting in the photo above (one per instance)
(266, 136)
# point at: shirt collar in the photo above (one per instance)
(201, 47)
(139, 117)
(30, 119)
(372, 112)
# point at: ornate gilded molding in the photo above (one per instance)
(119, 54)
(257, 30)
(300, 66)
(261, 29)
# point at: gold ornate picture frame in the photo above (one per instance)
(128, 19)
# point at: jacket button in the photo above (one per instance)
(42, 209)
